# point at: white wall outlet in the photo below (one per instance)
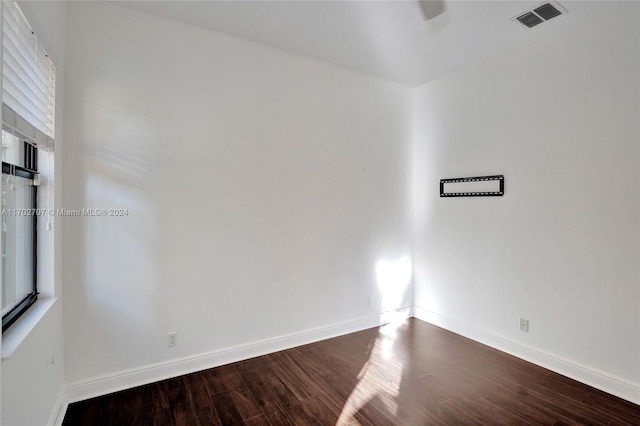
(172, 339)
(524, 325)
(368, 300)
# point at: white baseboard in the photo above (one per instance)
(105, 384)
(57, 414)
(587, 375)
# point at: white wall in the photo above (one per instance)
(33, 378)
(560, 121)
(262, 190)
(33, 385)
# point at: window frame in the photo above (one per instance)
(30, 159)
(28, 112)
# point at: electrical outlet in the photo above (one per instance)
(369, 301)
(524, 325)
(172, 339)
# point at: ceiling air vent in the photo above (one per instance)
(530, 19)
(540, 14)
(547, 11)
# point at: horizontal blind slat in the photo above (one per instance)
(28, 73)
(24, 62)
(16, 83)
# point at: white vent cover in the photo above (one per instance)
(540, 14)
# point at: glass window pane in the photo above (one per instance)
(10, 147)
(17, 243)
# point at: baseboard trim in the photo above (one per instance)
(589, 376)
(126, 379)
(59, 410)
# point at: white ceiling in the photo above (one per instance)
(387, 39)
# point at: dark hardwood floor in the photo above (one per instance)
(412, 374)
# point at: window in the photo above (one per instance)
(19, 222)
(28, 117)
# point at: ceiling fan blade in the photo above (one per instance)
(432, 8)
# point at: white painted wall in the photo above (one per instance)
(560, 120)
(33, 388)
(262, 190)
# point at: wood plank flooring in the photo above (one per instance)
(411, 374)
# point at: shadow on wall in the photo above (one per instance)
(116, 257)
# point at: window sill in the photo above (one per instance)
(19, 331)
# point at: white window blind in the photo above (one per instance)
(28, 79)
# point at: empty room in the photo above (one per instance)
(320, 212)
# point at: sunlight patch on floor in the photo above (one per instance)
(379, 380)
